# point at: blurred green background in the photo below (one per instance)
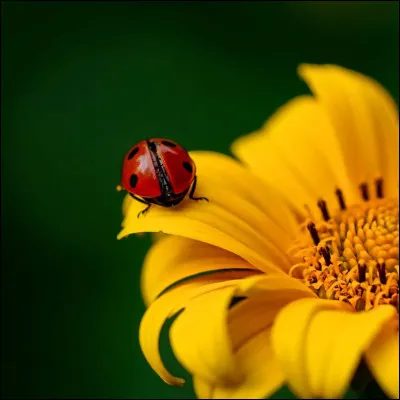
(81, 83)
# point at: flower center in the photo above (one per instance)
(353, 254)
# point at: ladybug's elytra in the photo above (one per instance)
(159, 171)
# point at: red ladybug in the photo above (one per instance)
(159, 171)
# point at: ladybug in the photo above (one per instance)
(159, 171)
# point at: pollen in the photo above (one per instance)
(351, 254)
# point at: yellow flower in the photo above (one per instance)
(304, 230)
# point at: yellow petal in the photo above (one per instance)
(157, 236)
(320, 344)
(232, 219)
(199, 337)
(356, 332)
(383, 359)
(249, 330)
(206, 336)
(297, 153)
(265, 299)
(365, 119)
(168, 305)
(221, 170)
(288, 337)
(261, 370)
(173, 258)
(202, 388)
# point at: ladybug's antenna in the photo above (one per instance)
(119, 188)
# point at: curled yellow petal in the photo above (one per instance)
(199, 338)
(218, 344)
(383, 359)
(249, 324)
(231, 219)
(168, 305)
(173, 258)
(365, 119)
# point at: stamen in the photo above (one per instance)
(364, 191)
(379, 188)
(313, 232)
(354, 253)
(361, 271)
(382, 271)
(324, 251)
(339, 195)
(324, 210)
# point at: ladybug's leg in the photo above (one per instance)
(144, 211)
(140, 200)
(192, 191)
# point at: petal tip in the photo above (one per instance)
(121, 235)
(178, 382)
(304, 69)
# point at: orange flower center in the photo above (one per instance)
(352, 255)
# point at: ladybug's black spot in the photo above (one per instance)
(133, 153)
(168, 143)
(133, 180)
(187, 166)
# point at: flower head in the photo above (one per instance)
(304, 232)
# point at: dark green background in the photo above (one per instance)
(81, 82)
